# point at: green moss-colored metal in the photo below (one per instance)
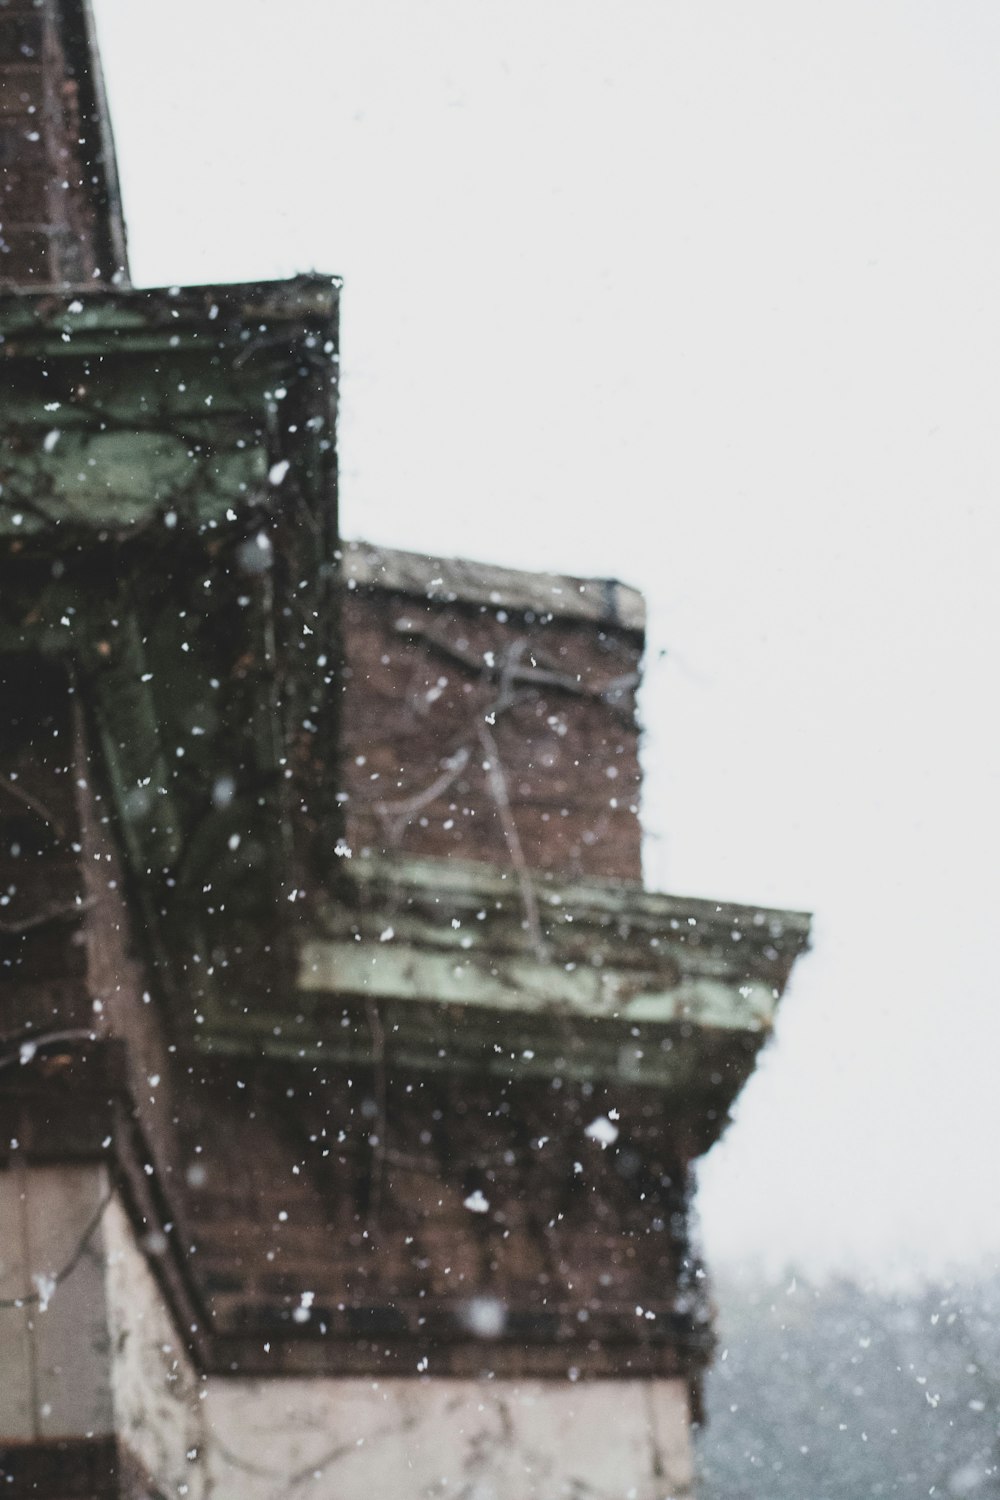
(168, 526)
(434, 964)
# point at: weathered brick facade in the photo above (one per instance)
(60, 219)
(43, 959)
(472, 724)
(339, 1039)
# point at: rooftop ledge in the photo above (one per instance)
(600, 601)
(464, 933)
(465, 966)
(96, 319)
(131, 412)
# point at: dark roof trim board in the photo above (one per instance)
(99, 319)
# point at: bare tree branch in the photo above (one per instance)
(395, 815)
(43, 917)
(498, 789)
(381, 1116)
(34, 803)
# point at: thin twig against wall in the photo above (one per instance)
(507, 673)
(533, 675)
(29, 1044)
(497, 781)
(13, 789)
(32, 1299)
(63, 912)
(396, 814)
(381, 1111)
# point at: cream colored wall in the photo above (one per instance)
(54, 1352)
(157, 1396)
(453, 1439)
(105, 1356)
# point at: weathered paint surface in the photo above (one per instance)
(467, 1440)
(447, 1129)
(601, 601)
(154, 1390)
(483, 1439)
(54, 1350)
(609, 981)
(18, 1407)
(121, 407)
(601, 949)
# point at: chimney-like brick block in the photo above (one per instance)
(470, 726)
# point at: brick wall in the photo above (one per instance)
(326, 1204)
(43, 957)
(452, 708)
(69, 958)
(57, 220)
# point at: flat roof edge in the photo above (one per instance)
(122, 309)
(785, 929)
(602, 601)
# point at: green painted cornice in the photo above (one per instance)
(436, 963)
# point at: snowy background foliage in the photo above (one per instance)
(834, 1390)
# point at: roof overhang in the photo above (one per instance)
(124, 408)
(440, 963)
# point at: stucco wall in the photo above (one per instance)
(155, 1392)
(454, 1439)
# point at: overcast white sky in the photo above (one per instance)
(705, 296)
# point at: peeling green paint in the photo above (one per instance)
(632, 985)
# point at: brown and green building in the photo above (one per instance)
(350, 1078)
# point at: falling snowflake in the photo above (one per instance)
(602, 1131)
